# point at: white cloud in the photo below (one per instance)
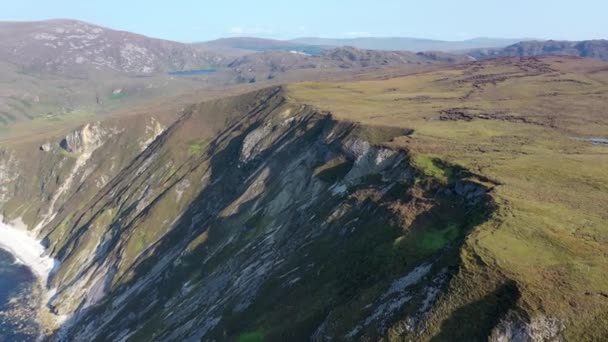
(250, 31)
(236, 30)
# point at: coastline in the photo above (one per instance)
(18, 241)
(22, 244)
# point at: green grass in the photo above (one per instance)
(433, 239)
(196, 147)
(431, 166)
(256, 336)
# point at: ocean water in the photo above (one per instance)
(17, 321)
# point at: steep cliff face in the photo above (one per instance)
(40, 178)
(274, 222)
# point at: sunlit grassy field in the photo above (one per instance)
(521, 123)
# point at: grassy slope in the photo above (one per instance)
(34, 104)
(549, 234)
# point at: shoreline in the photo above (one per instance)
(21, 244)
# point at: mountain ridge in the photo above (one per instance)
(72, 47)
(409, 43)
(597, 49)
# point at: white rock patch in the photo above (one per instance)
(91, 138)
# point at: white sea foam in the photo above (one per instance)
(23, 245)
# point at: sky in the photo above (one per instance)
(190, 20)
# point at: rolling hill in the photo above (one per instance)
(597, 49)
(60, 70)
(73, 47)
(270, 64)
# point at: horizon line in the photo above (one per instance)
(328, 37)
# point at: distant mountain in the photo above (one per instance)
(350, 57)
(261, 45)
(69, 46)
(60, 69)
(409, 44)
(588, 48)
(272, 63)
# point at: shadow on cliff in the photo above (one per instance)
(229, 179)
(475, 321)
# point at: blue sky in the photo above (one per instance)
(189, 20)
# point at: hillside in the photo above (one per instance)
(72, 47)
(597, 49)
(452, 204)
(41, 99)
(268, 65)
(62, 71)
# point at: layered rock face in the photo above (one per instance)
(276, 221)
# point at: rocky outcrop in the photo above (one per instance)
(84, 140)
(514, 329)
(9, 166)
